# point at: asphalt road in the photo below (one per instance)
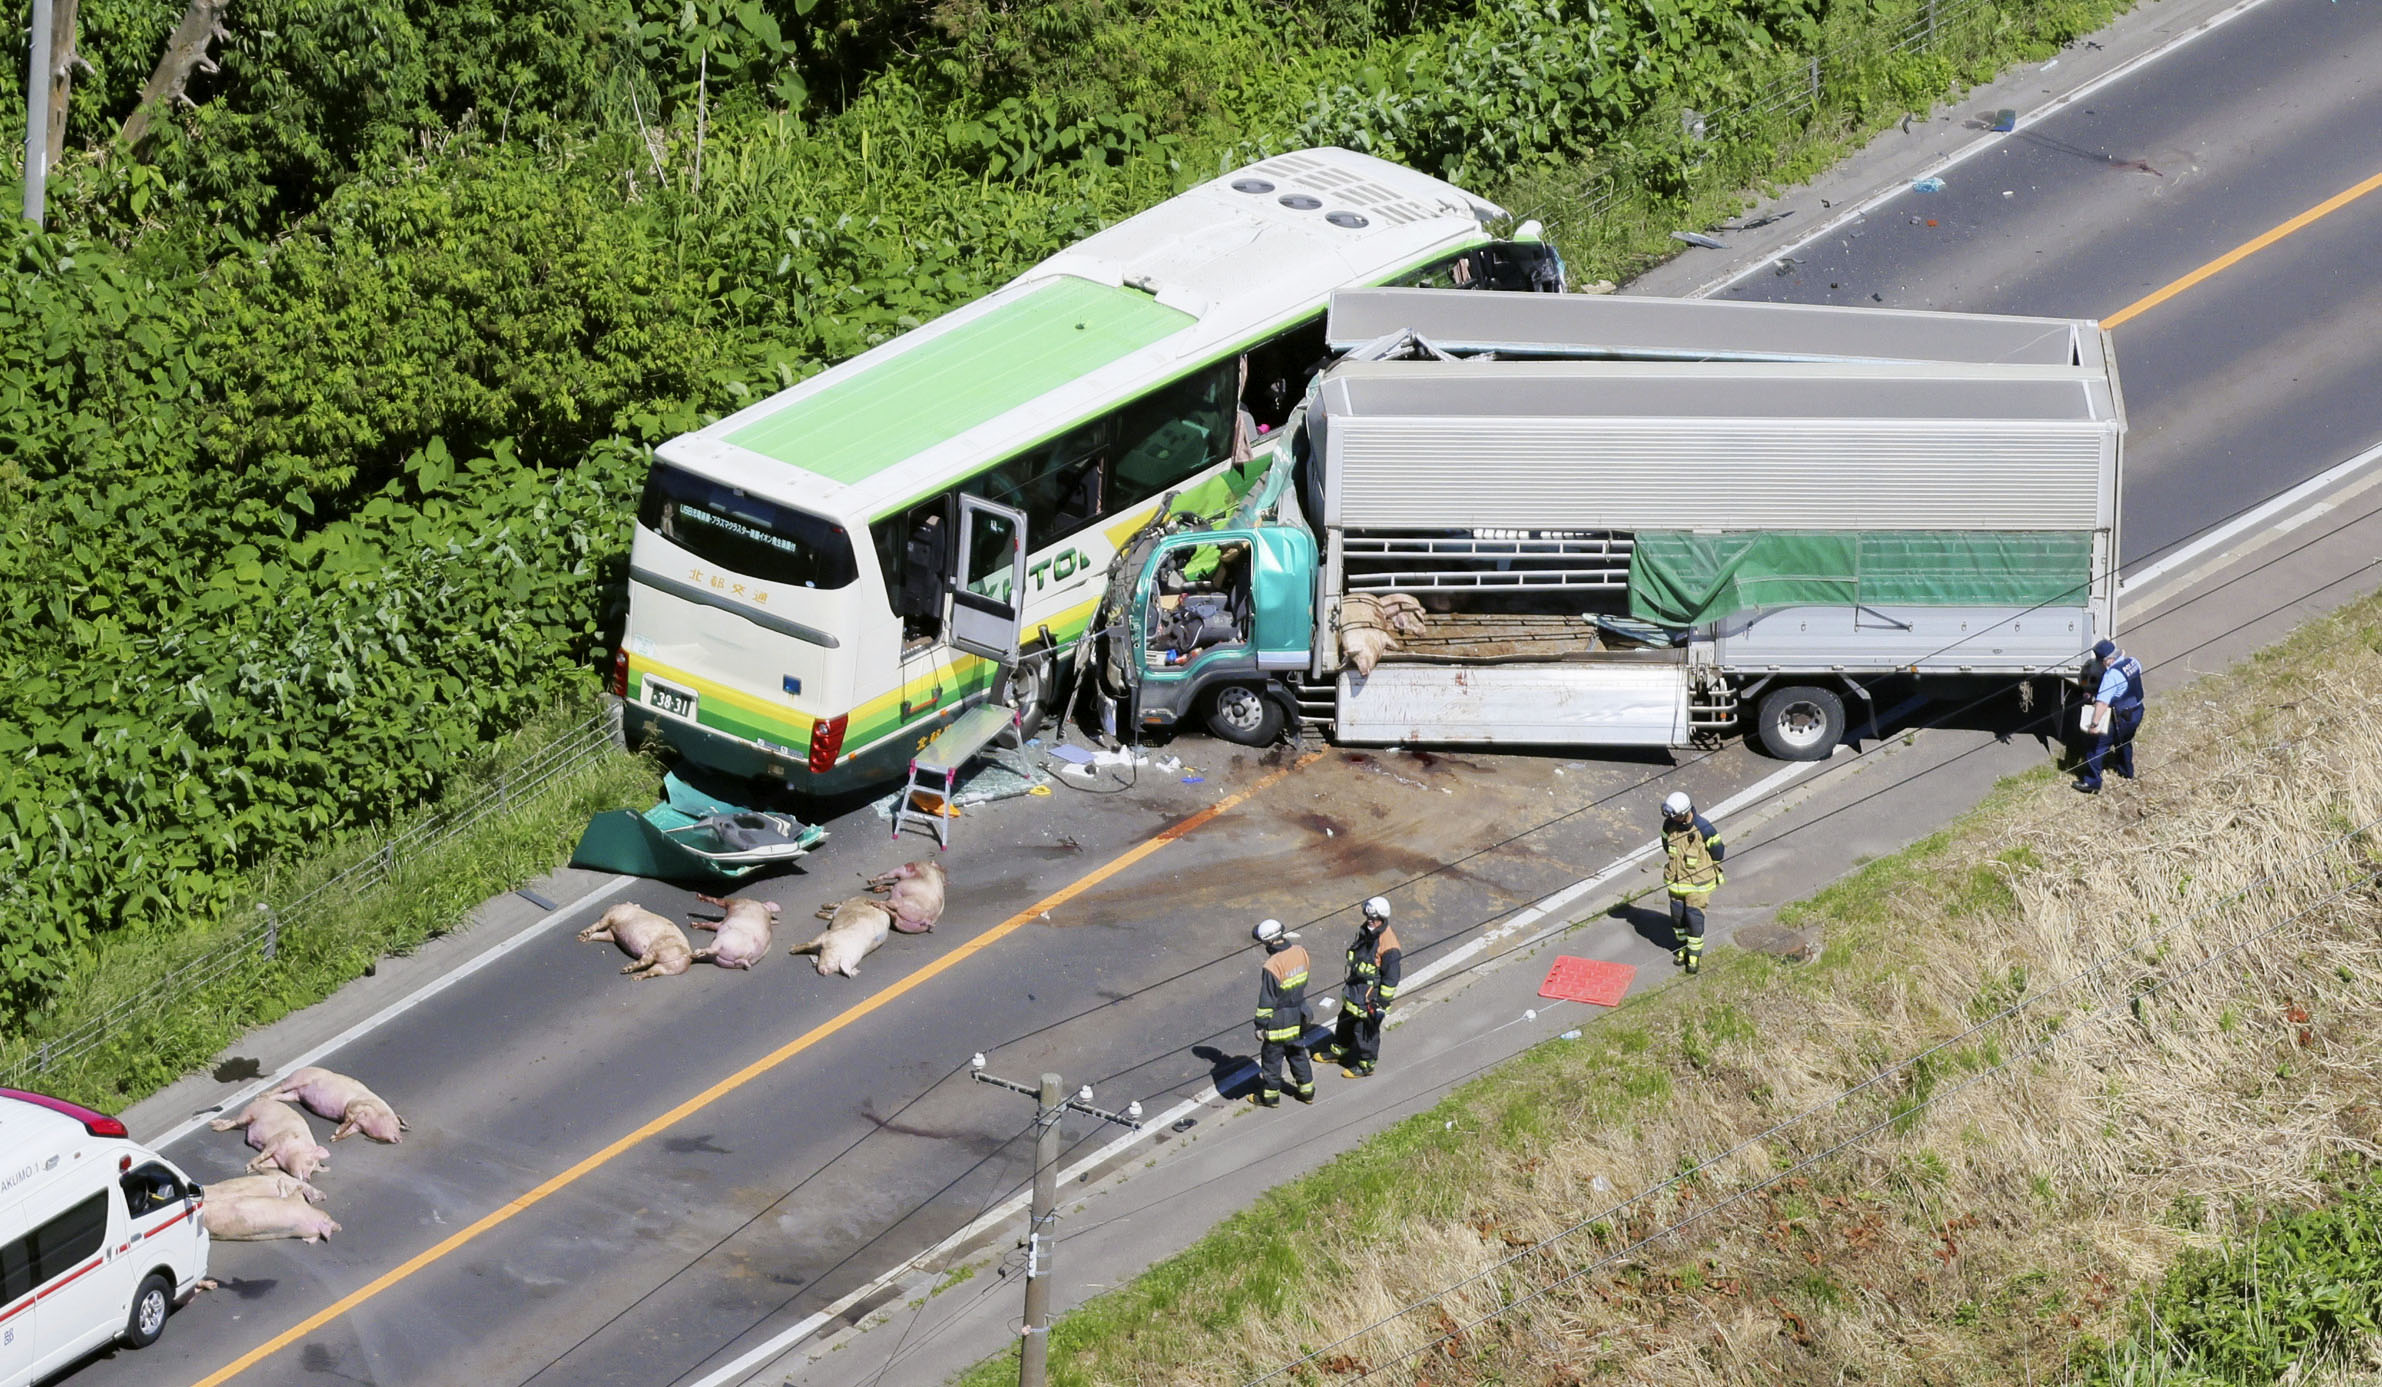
(616, 1244)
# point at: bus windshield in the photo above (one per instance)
(745, 534)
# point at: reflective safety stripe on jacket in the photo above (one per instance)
(1374, 970)
(1691, 865)
(1282, 994)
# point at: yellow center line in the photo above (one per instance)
(2242, 252)
(743, 1076)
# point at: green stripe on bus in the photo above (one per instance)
(1057, 332)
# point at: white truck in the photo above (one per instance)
(1641, 522)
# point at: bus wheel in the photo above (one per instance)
(150, 1305)
(1027, 689)
(1800, 723)
(1242, 714)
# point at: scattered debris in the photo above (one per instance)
(1929, 184)
(1698, 238)
(2005, 120)
(1760, 222)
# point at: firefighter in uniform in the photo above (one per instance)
(1375, 964)
(1690, 873)
(1281, 1016)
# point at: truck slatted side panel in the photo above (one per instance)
(1412, 473)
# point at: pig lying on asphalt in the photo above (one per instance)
(281, 1137)
(1370, 626)
(855, 928)
(256, 1217)
(343, 1100)
(658, 945)
(916, 899)
(273, 1186)
(742, 938)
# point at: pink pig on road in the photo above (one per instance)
(743, 937)
(915, 899)
(281, 1137)
(275, 1185)
(256, 1217)
(656, 945)
(343, 1100)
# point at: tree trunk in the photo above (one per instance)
(185, 53)
(63, 59)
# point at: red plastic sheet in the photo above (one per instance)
(1591, 980)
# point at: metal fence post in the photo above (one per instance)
(1815, 81)
(1931, 24)
(272, 931)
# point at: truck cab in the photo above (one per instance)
(1215, 618)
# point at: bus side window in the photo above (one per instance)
(1173, 433)
(1280, 369)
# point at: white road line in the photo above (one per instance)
(389, 1013)
(2252, 519)
(1969, 151)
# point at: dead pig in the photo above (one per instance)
(281, 1137)
(1371, 624)
(256, 1217)
(855, 928)
(273, 1186)
(741, 939)
(658, 946)
(915, 898)
(343, 1100)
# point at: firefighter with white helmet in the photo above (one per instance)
(1690, 874)
(1281, 1016)
(1375, 964)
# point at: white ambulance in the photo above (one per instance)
(100, 1237)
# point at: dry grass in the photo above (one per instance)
(2155, 1013)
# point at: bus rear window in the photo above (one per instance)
(744, 534)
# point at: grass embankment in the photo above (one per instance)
(430, 890)
(2144, 1022)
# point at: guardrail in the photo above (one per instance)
(568, 753)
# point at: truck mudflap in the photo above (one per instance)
(1585, 704)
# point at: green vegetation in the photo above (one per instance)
(540, 800)
(321, 405)
(2297, 1300)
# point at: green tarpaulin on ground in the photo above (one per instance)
(669, 841)
(1683, 578)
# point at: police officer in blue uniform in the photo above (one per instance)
(2117, 712)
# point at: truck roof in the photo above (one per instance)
(1630, 327)
(1636, 390)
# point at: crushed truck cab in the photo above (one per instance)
(1215, 618)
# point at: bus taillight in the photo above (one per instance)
(620, 672)
(827, 742)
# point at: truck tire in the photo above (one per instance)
(1242, 714)
(1029, 688)
(1800, 722)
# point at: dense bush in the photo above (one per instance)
(320, 414)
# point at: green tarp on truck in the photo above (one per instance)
(1683, 578)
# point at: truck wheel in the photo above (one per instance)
(1800, 723)
(1242, 713)
(150, 1305)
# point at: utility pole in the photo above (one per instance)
(37, 113)
(1033, 1354)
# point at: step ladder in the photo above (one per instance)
(937, 766)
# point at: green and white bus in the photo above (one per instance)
(822, 581)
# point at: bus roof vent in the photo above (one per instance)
(1342, 189)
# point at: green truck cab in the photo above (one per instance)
(1215, 619)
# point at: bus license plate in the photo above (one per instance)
(669, 698)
